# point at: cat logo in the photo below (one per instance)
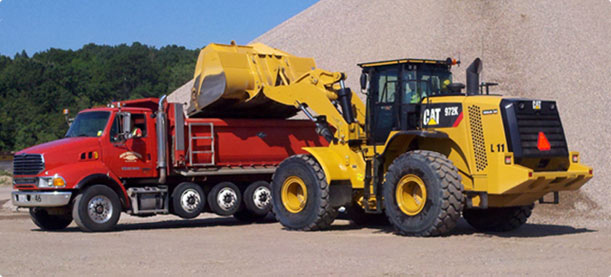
(537, 105)
(431, 116)
(130, 156)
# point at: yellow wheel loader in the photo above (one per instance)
(421, 150)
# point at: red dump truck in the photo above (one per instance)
(145, 157)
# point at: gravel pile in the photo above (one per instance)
(547, 49)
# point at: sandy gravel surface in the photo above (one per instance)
(547, 49)
(210, 245)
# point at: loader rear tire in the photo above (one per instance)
(498, 219)
(422, 194)
(300, 195)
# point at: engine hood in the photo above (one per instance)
(63, 151)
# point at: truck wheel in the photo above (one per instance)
(97, 209)
(300, 195)
(224, 198)
(498, 219)
(188, 200)
(258, 198)
(46, 221)
(422, 194)
(358, 216)
(257, 202)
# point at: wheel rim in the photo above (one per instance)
(190, 200)
(411, 194)
(294, 194)
(261, 197)
(99, 209)
(226, 198)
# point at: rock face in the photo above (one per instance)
(548, 49)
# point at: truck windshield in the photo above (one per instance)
(428, 80)
(89, 124)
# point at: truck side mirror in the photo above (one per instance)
(364, 82)
(127, 122)
(126, 125)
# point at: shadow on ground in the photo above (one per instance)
(174, 224)
(462, 228)
(527, 230)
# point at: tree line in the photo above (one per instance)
(34, 90)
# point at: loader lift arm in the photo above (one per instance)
(317, 90)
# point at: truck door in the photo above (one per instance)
(133, 157)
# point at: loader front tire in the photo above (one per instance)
(300, 195)
(498, 219)
(422, 194)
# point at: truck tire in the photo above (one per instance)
(50, 222)
(300, 195)
(96, 209)
(422, 194)
(257, 198)
(358, 216)
(257, 202)
(498, 219)
(225, 199)
(188, 200)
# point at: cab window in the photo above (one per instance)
(138, 129)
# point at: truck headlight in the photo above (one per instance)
(55, 181)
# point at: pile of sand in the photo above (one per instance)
(548, 49)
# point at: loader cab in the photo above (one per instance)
(397, 89)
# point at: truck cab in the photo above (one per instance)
(103, 146)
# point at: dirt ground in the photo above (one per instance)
(210, 245)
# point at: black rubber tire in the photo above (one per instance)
(214, 205)
(249, 200)
(444, 201)
(498, 219)
(177, 207)
(318, 214)
(81, 216)
(50, 222)
(358, 216)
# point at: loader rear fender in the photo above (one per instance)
(437, 141)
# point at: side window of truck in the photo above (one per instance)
(139, 122)
(138, 127)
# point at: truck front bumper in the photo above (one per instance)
(40, 198)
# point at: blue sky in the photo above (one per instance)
(69, 24)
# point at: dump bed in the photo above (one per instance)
(235, 146)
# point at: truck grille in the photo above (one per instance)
(524, 121)
(28, 164)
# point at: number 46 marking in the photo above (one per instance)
(499, 148)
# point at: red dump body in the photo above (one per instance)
(214, 143)
(246, 142)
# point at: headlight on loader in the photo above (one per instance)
(55, 181)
